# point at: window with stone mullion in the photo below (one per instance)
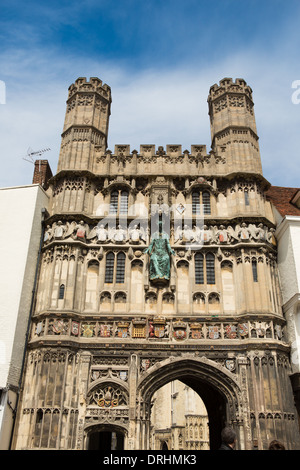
(199, 271)
(124, 202)
(109, 268)
(114, 200)
(120, 274)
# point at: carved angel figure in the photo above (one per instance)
(101, 233)
(260, 233)
(223, 235)
(137, 234)
(81, 230)
(188, 234)
(59, 230)
(178, 234)
(196, 234)
(271, 236)
(119, 235)
(233, 232)
(48, 235)
(96, 232)
(244, 233)
(207, 234)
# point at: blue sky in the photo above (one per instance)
(160, 59)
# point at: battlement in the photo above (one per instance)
(150, 150)
(93, 85)
(227, 85)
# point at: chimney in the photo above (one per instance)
(42, 173)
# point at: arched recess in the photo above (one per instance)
(137, 292)
(217, 387)
(92, 278)
(106, 420)
(105, 437)
(228, 287)
(183, 283)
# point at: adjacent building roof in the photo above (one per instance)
(286, 200)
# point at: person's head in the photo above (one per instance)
(228, 436)
(276, 445)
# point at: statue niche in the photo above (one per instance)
(160, 252)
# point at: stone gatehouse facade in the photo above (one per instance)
(157, 264)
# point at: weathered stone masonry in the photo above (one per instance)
(104, 338)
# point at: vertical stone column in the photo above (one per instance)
(133, 371)
(83, 378)
(245, 435)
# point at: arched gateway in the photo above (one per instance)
(217, 387)
(156, 264)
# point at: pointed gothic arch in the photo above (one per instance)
(217, 386)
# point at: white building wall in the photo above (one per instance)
(288, 237)
(20, 235)
(295, 237)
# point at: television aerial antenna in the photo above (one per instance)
(30, 154)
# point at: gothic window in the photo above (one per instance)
(61, 291)
(204, 265)
(115, 271)
(198, 199)
(254, 271)
(109, 269)
(199, 273)
(118, 202)
(120, 274)
(206, 202)
(196, 203)
(114, 197)
(210, 268)
(124, 202)
(247, 202)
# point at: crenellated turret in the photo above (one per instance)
(86, 124)
(233, 126)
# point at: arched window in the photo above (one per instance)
(199, 199)
(196, 203)
(109, 269)
(247, 202)
(124, 202)
(120, 274)
(199, 273)
(61, 291)
(114, 197)
(210, 268)
(118, 202)
(113, 273)
(206, 202)
(254, 270)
